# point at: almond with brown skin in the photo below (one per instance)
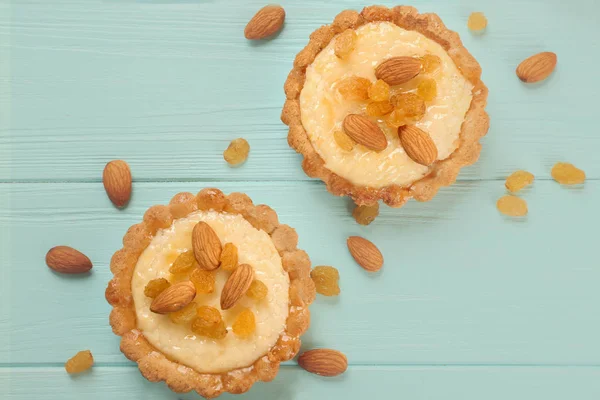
(117, 182)
(207, 246)
(418, 144)
(266, 22)
(236, 286)
(173, 298)
(67, 260)
(365, 253)
(324, 362)
(537, 67)
(364, 131)
(398, 70)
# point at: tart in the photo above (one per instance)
(385, 104)
(196, 317)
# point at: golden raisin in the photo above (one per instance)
(427, 89)
(344, 141)
(203, 280)
(209, 323)
(80, 362)
(245, 323)
(379, 108)
(345, 43)
(354, 88)
(326, 280)
(257, 290)
(229, 257)
(411, 105)
(396, 119)
(379, 91)
(184, 316)
(518, 180)
(364, 215)
(183, 263)
(237, 152)
(155, 287)
(567, 174)
(477, 21)
(512, 206)
(430, 63)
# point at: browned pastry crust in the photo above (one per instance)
(441, 173)
(153, 364)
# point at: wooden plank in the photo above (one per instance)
(461, 284)
(166, 86)
(416, 383)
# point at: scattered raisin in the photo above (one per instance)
(237, 152)
(477, 21)
(518, 180)
(245, 323)
(209, 323)
(396, 119)
(257, 290)
(427, 89)
(411, 105)
(344, 141)
(512, 206)
(379, 91)
(183, 263)
(80, 362)
(203, 280)
(567, 174)
(430, 63)
(379, 108)
(326, 280)
(184, 316)
(354, 88)
(364, 215)
(155, 287)
(229, 257)
(345, 43)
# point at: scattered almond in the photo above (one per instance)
(174, 298)
(324, 362)
(537, 67)
(67, 260)
(117, 182)
(364, 131)
(266, 22)
(418, 145)
(206, 245)
(236, 286)
(398, 70)
(365, 253)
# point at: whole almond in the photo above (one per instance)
(174, 298)
(236, 286)
(398, 70)
(67, 260)
(267, 21)
(537, 67)
(364, 131)
(418, 145)
(117, 182)
(365, 253)
(207, 246)
(324, 362)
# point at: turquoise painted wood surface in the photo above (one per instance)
(469, 305)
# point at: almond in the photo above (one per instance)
(117, 182)
(174, 298)
(398, 70)
(537, 67)
(236, 286)
(365, 253)
(67, 260)
(267, 21)
(418, 145)
(324, 362)
(364, 131)
(207, 246)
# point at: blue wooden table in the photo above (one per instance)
(470, 305)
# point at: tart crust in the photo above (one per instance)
(442, 172)
(153, 364)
